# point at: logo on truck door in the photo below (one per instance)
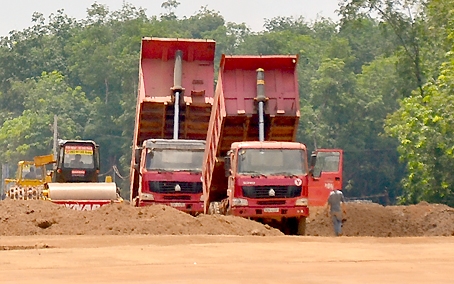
(329, 185)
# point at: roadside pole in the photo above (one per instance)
(5, 174)
(55, 131)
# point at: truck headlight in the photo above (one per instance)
(146, 196)
(202, 198)
(301, 202)
(239, 202)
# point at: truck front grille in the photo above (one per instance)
(271, 191)
(177, 197)
(175, 187)
(271, 202)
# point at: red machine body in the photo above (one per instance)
(175, 99)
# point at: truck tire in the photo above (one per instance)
(301, 226)
(214, 208)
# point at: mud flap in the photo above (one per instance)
(301, 226)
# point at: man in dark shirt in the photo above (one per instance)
(335, 208)
(31, 174)
(76, 163)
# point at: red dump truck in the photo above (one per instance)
(253, 167)
(174, 102)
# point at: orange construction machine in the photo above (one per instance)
(72, 182)
(176, 78)
(253, 167)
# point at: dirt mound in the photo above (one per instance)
(36, 217)
(369, 219)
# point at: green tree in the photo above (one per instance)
(30, 134)
(424, 127)
(403, 18)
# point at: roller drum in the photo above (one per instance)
(82, 191)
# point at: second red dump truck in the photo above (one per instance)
(173, 108)
(253, 167)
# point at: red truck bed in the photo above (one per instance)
(235, 116)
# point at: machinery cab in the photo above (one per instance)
(29, 173)
(76, 161)
(28, 176)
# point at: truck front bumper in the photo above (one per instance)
(270, 212)
(193, 207)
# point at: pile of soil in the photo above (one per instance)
(36, 217)
(370, 219)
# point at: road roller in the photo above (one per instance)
(74, 180)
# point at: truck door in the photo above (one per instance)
(327, 175)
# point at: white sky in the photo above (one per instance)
(16, 14)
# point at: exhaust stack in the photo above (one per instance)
(261, 99)
(177, 89)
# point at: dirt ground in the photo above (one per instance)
(36, 217)
(41, 242)
(225, 259)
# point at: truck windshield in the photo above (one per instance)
(174, 160)
(78, 157)
(271, 161)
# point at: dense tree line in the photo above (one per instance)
(376, 83)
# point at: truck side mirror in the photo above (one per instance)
(137, 155)
(227, 165)
(313, 159)
(312, 167)
(137, 168)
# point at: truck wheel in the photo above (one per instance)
(214, 208)
(289, 226)
(301, 226)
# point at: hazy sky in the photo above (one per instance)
(16, 14)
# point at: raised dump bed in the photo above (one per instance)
(176, 87)
(155, 103)
(235, 114)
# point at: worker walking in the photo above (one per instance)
(336, 208)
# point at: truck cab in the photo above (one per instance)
(171, 173)
(267, 181)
